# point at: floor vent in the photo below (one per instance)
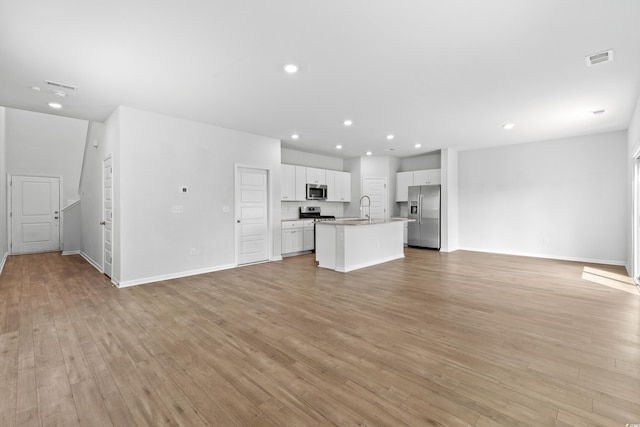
(599, 58)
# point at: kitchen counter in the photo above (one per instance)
(349, 244)
(359, 221)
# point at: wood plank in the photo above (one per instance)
(457, 338)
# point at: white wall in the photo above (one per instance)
(300, 158)
(354, 166)
(449, 201)
(46, 145)
(4, 238)
(422, 162)
(71, 229)
(633, 148)
(557, 199)
(158, 154)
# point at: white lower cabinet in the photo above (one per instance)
(297, 236)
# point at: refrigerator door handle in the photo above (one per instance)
(420, 209)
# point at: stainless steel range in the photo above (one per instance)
(313, 212)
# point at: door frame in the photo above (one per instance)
(10, 207)
(236, 208)
(635, 222)
(102, 227)
(387, 212)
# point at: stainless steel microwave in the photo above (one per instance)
(316, 192)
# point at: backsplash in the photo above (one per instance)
(291, 210)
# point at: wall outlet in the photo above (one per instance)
(192, 251)
(183, 189)
(176, 209)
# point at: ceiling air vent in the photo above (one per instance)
(61, 85)
(599, 58)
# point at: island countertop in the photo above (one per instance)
(365, 221)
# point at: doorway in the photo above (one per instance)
(376, 189)
(252, 215)
(34, 214)
(107, 216)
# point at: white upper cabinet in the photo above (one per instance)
(295, 179)
(316, 176)
(301, 183)
(343, 186)
(331, 186)
(426, 177)
(288, 183)
(338, 186)
(293, 184)
(406, 179)
(403, 181)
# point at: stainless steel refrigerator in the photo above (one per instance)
(424, 208)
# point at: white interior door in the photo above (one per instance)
(107, 217)
(376, 189)
(252, 215)
(35, 214)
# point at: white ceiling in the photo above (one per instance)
(444, 73)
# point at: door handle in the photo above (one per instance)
(103, 222)
(420, 209)
(238, 221)
(55, 217)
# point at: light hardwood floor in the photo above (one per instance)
(433, 339)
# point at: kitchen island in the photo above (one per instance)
(349, 244)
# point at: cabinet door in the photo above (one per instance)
(316, 176)
(287, 241)
(301, 183)
(297, 237)
(308, 243)
(332, 186)
(345, 178)
(435, 177)
(288, 183)
(421, 177)
(403, 181)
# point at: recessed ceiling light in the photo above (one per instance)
(36, 88)
(295, 136)
(348, 122)
(598, 112)
(508, 126)
(339, 147)
(369, 153)
(418, 145)
(55, 105)
(291, 68)
(390, 137)
(60, 93)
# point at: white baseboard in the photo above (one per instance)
(547, 256)
(4, 260)
(65, 253)
(91, 261)
(136, 282)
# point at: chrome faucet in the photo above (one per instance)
(368, 215)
